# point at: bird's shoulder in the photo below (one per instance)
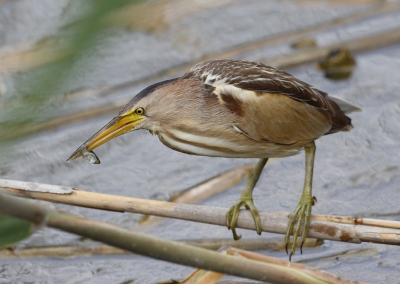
(239, 77)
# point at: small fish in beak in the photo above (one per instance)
(90, 156)
(119, 125)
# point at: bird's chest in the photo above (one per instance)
(222, 144)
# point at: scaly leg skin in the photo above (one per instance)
(246, 200)
(302, 213)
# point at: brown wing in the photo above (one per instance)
(274, 117)
(258, 77)
(271, 105)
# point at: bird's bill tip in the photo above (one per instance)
(90, 156)
(75, 155)
(117, 126)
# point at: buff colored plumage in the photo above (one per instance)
(235, 109)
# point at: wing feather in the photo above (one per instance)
(272, 105)
(258, 77)
(281, 120)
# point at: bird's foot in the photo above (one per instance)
(301, 215)
(233, 213)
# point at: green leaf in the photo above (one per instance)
(13, 230)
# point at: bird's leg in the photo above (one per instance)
(302, 213)
(246, 199)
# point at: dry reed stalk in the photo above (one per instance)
(321, 275)
(154, 247)
(271, 222)
(206, 189)
(201, 276)
(90, 250)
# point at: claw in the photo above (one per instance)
(314, 200)
(300, 216)
(228, 224)
(256, 218)
(233, 214)
(236, 237)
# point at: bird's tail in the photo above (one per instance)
(341, 122)
(345, 106)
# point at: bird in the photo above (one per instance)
(235, 109)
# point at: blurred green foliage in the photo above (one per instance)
(13, 230)
(34, 96)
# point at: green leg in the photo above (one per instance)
(246, 199)
(302, 213)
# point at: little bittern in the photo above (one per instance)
(235, 109)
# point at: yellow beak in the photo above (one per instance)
(116, 127)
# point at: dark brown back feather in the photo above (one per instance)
(261, 79)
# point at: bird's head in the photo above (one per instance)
(144, 111)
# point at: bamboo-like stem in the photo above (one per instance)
(348, 230)
(215, 185)
(202, 276)
(89, 250)
(61, 251)
(328, 277)
(206, 189)
(351, 220)
(157, 248)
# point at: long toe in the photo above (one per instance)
(231, 219)
(301, 215)
(233, 214)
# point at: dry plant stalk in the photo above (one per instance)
(205, 190)
(214, 185)
(321, 275)
(90, 250)
(271, 222)
(154, 247)
(61, 251)
(201, 276)
(277, 243)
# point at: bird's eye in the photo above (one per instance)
(139, 111)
